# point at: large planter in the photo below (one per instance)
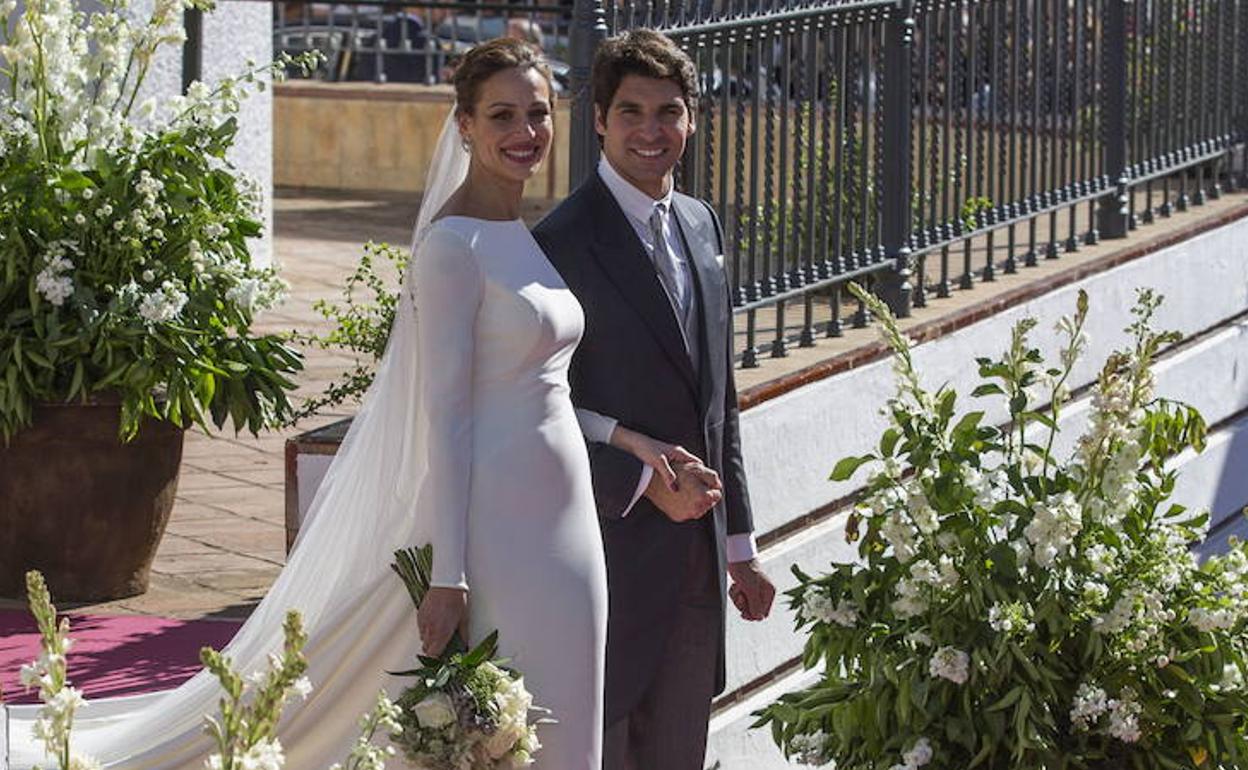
(80, 506)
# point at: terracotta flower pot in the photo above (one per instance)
(80, 506)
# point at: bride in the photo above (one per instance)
(476, 449)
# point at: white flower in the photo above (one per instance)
(1011, 618)
(1220, 619)
(1089, 704)
(148, 276)
(810, 749)
(911, 600)
(84, 762)
(302, 687)
(845, 614)
(1053, 527)
(817, 605)
(919, 639)
(920, 754)
(1124, 718)
(264, 755)
(950, 663)
(79, 219)
(162, 305)
(435, 711)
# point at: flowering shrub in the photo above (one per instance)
(361, 325)
(1014, 610)
(124, 269)
(49, 675)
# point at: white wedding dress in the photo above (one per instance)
(466, 439)
(509, 470)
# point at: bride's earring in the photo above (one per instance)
(466, 143)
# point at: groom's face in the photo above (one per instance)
(644, 131)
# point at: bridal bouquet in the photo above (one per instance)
(1016, 609)
(467, 710)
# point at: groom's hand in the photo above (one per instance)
(751, 590)
(698, 489)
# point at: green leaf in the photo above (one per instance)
(847, 466)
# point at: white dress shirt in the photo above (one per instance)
(638, 207)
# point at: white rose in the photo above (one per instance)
(435, 711)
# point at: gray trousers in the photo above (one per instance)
(667, 729)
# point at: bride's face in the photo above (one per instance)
(509, 130)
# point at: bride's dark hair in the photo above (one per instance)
(484, 61)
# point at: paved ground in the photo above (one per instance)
(226, 540)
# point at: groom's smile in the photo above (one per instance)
(644, 131)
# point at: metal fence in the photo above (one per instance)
(926, 146)
(921, 146)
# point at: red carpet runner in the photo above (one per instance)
(112, 654)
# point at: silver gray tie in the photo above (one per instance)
(665, 264)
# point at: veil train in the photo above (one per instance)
(358, 616)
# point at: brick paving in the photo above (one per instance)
(225, 543)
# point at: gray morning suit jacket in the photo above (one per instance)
(632, 365)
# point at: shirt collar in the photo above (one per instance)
(636, 204)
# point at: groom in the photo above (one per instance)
(646, 264)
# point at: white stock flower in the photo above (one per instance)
(911, 600)
(163, 305)
(264, 755)
(1124, 718)
(1089, 704)
(435, 711)
(810, 749)
(1219, 619)
(950, 663)
(1053, 527)
(919, 755)
(302, 687)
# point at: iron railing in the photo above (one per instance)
(928, 145)
(921, 146)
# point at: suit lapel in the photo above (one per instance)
(623, 258)
(699, 242)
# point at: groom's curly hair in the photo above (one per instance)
(484, 61)
(642, 52)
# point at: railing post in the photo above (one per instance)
(1241, 99)
(589, 28)
(895, 287)
(1114, 213)
(193, 48)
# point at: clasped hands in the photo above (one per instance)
(682, 487)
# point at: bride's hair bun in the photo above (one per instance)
(484, 61)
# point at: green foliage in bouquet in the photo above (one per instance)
(361, 324)
(1011, 609)
(466, 709)
(124, 267)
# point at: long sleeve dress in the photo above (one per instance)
(508, 478)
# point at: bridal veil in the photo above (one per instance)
(359, 618)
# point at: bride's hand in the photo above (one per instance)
(443, 611)
(659, 455)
